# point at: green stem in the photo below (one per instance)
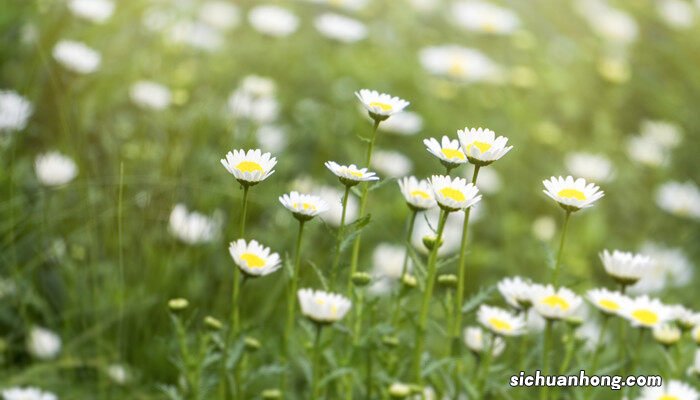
(339, 240)
(315, 362)
(429, 284)
(291, 304)
(485, 365)
(185, 354)
(555, 276)
(546, 349)
(459, 298)
(598, 346)
(404, 268)
(569, 352)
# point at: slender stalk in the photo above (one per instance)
(598, 346)
(485, 365)
(429, 284)
(569, 352)
(459, 298)
(120, 236)
(294, 281)
(235, 318)
(339, 240)
(404, 268)
(546, 349)
(315, 362)
(555, 276)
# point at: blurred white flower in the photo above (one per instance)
(681, 199)
(480, 16)
(254, 99)
(272, 138)
(594, 167)
(666, 134)
(15, 111)
(645, 312)
(97, 11)
(27, 393)
(671, 389)
(192, 227)
(340, 28)
(544, 228)
(500, 322)
(323, 307)
(333, 197)
(352, 5)
(555, 303)
(273, 20)
(489, 181)
(380, 106)
(196, 34)
(76, 56)
(645, 150)
(670, 267)
(220, 14)
(43, 343)
(118, 373)
(677, 14)
(459, 63)
(589, 332)
(55, 169)
(625, 267)
(477, 342)
(387, 261)
(391, 164)
(611, 24)
(405, 123)
(151, 95)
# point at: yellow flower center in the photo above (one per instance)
(252, 260)
(500, 325)
(382, 106)
(556, 301)
(488, 26)
(482, 146)
(334, 309)
(305, 206)
(646, 317)
(609, 305)
(453, 194)
(420, 193)
(320, 301)
(452, 153)
(669, 397)
(457, 68)
(572, 194)
(354, 173)
(249, 166)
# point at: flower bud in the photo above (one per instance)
(409, 280)
(361, 279)
(271, 394)
(447, 280)
(430, 241)
(399, 390)
(178, 304)
(251, 343)
(212, 323)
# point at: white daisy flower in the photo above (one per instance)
(97, 11)
(607, 301)
(253, 258)
(387, 261)
(626, 268)
(55, 169)
(611, 24)
(322, 307)
(196, 34)
(481, 146)
(500, 321)
(572, 195)
(15, 111)
(193, 227)
(43, 343)
(448, 151)
(477, 342)
(666, 334)
(220, 14)
(255, 99)
(340, 28)
(350, 5)
(671, 390)
(517, 292)
(334, 197)
(380, 106)
(418, 193)
(645, 312)
(670, 268)
(681, 199)
(554, 303)
(404, 123)
(76, 56)
(350, 175)
(303, 206)
(392, 164)
(118, 373)
(479, 16)
(460, 63)
(664, 133)
(685, 317)
(273, 20)
(150, 95)
(454, 194)
(249, 168)
(646, 151)
(544, 228)
(27, 393)
(676, 14)
(595, 167)
(452, 233)
(272, 138)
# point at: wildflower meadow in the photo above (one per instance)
(349, 199)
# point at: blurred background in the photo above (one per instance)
(114, 116)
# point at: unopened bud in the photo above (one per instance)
(447, 280)
(178, 304)
(361, 279)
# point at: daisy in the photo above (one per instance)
(460, 63)
(418, 194)
(454, 194)
(572, 195)
(478, 16)
(392, 164)
(249, 168)
(350, 175)
(150, 95)
(334, 197)
(55, 169)
(481, 146)
(607, 301)
(676, 14)
(303, 206)
(645, 312)
(477, 342)
(340, 28)
(670, 268)
(15, 111)
(626, 268)
(253, 258)
(666, 135)
(43, 343)
(685, 317)
(672, 390)
(193, 227)
(695, 334)
(666, 334)
(517, 292)
(322, 307)
(97, 11)
(76, 56)
(500, 321)
(273, 20)
(220, 15)
(380, 106)
(681, 199)
(589, 166)
(27, 393)
(554, 303)
(448, 152)
(405, 123)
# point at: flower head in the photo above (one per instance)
(681, 199)
(477, 342)
(150, 95)
(418, 194)
(607, 301)
(253, 258)
(500, 321)
(340, 28)
(483, 17)
(626, 268)
(447, 151)
(192, 227)
(572, 195)
(43, 343)
(97, 11)
(666, 334)
(481, 146)
(517, 291)
(27, 393)
(645, 312)
(671, 390)
(303, 206)
(454, 194)
(249, 168)
(322, 307)
(55, 169)
(554, 303)
(273, 20)
(380, 106)
(350, 175)
(76, 56)
(15, 111)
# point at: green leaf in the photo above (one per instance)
(318, 272)
(480, 297)
(352, 230)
